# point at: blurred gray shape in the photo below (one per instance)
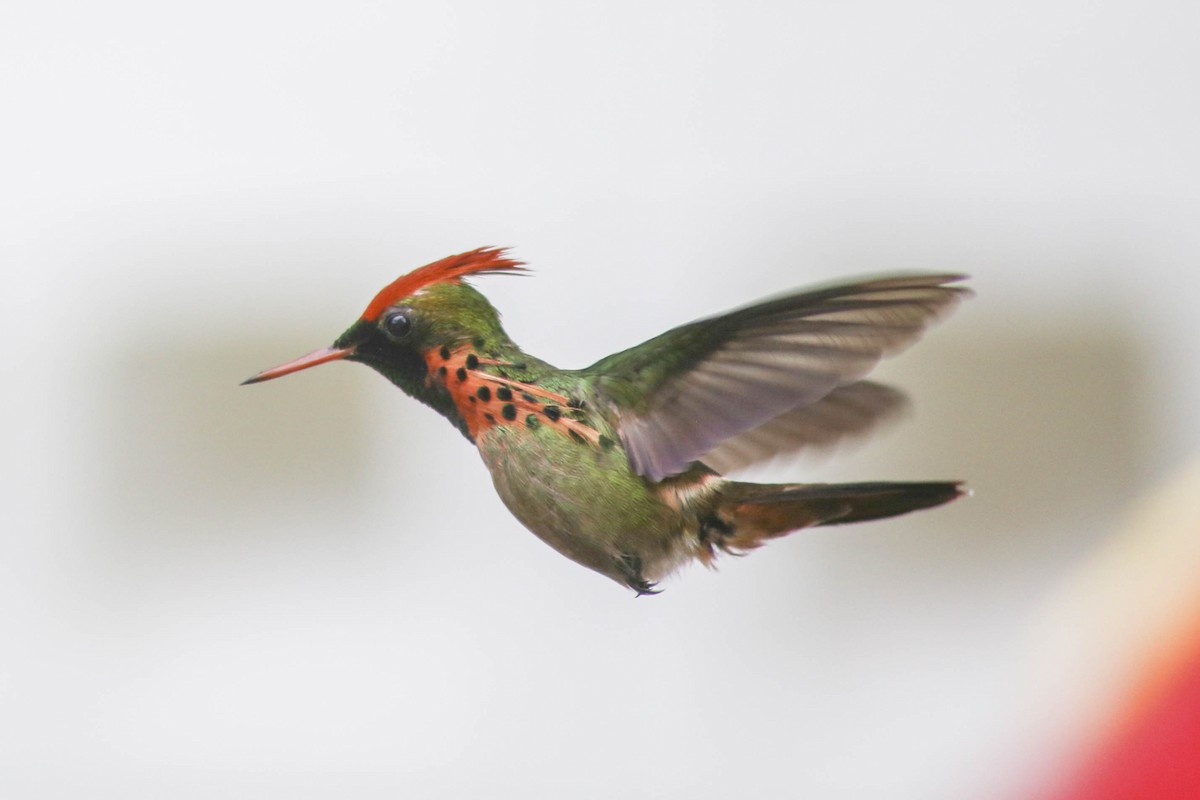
(186, 448)
(1044, 425)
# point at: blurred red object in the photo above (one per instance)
(1154, 753)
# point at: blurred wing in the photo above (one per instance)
(850, 410)
(681, 394)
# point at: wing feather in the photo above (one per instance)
(847, 411)
(684, 393)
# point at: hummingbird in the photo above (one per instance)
(619, 466)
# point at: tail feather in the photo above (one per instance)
(755, 512)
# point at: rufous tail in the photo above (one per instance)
(751, 513)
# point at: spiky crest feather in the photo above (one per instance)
(481, 261)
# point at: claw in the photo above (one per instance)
(631, 569)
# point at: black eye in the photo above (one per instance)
(397, 325)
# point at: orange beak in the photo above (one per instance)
(314, 358)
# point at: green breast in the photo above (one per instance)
(579, 496)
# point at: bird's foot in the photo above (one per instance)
(630, 567)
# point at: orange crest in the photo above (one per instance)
(481, 261)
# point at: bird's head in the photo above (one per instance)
(428, 308)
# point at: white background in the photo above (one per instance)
(309, 589)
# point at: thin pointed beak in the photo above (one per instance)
(321, 356)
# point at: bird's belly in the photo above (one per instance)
(585, 502)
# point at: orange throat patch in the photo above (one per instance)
(485, 400)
